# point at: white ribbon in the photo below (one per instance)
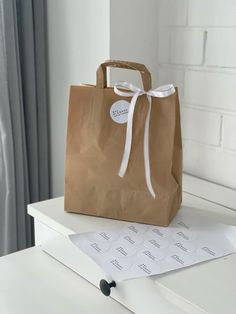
(126, 89)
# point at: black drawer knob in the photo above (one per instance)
(106, 287)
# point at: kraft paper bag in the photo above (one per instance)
(100, 142)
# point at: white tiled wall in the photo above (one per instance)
(197, 52)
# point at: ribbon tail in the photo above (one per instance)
(128, 141)
(146, 149)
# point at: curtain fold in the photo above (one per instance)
(24, 175)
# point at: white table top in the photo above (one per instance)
(31, 282)
(207, 287)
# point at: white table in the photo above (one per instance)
(32, 282)
(204, 288)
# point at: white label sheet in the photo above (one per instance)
(139, 250)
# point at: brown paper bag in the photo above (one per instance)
(95, 147)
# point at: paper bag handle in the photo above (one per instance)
(102, 73)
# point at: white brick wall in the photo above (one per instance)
(197, 52)
(186, 46)
(172, 12)
(195, 125)
(210, 163)
(229, 132)
(210, 89)
(212, 13)
(221, 48)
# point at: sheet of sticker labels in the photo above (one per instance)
(139, 250)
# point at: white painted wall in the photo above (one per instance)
(133, 37)
(78, 40)
(197, 51)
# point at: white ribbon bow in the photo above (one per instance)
(126, 89)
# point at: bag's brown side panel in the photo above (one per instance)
(177, 159)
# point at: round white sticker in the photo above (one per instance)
(119, 111)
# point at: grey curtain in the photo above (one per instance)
(24, 158)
